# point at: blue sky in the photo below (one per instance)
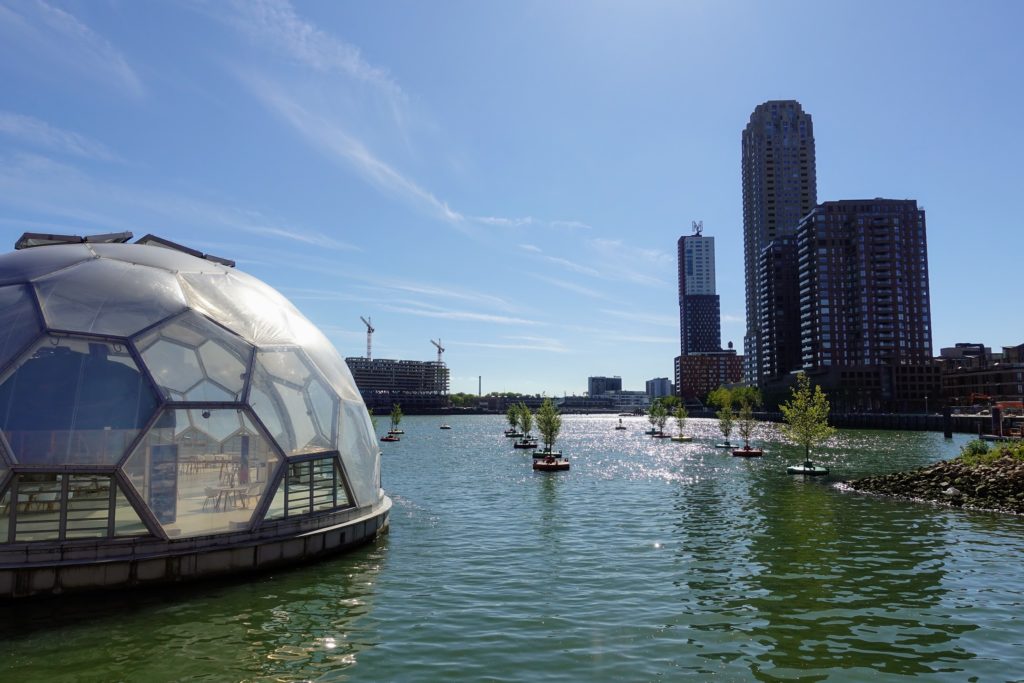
(509, 177)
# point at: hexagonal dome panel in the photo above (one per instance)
(191, 359)
(108, 297)
(293, 401)
(19, 323)
(203, 471)
(73, 401)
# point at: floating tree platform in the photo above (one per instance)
(551, 465)
(747, 452)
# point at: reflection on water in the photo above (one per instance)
(647, 560)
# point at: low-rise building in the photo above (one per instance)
(972, 375)
(697, 374)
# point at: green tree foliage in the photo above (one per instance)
(671, 403)
(549, 423)
(806, 416)
(721, 398)
(464, 400)
(396, 415)
(658, 415)
(726, 420)
(745, 421)
(680, 414)
(512, 415)
(525, 419)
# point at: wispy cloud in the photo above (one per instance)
(529, 221)
(647, 318)
(571, 286)
(37, 30)
(31, 131)
(728, 318)
(642, 339)
(327, 136)
(56, 189)
(275, 23)
(427, 311)
(613, 260)
(520, 344)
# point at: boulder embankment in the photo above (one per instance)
(996, 485)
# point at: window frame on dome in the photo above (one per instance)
(341, 477)
(63, 509)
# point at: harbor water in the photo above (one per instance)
(648, 560)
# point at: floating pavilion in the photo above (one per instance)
(165, 416)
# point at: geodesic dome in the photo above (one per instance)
(147, 391)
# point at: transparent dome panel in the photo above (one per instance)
(27, 264)
(193, 359)
(155, 256)
(290, 395)
(175, 368)
(203, 471)
(126, 519)
(325, 407)
(73, 401)
(250, 308)
(358, 451)
(19, 324)
(108, 297)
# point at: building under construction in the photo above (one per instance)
(417, 385)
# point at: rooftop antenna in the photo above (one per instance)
(440, 349)
(698, 228)
(369, 336)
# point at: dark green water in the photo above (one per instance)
(649, 560)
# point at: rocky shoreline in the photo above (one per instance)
(997, 485)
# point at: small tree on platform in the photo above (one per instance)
(525, 420)
(680, 414)
(549, 423)
(396, 415)
(806, 416)
(723, 398)
(512, 415)
(749, 398)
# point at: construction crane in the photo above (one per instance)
(369, 336)
(440, 349)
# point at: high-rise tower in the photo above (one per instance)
(779, 188)
(699, 315)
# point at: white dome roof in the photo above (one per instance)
(164, 367)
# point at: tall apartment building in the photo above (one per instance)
(778, 311)
(597, 386)
(659, 386)
(865, 312)
(700, 326)
(702, 365)
(779, 188)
